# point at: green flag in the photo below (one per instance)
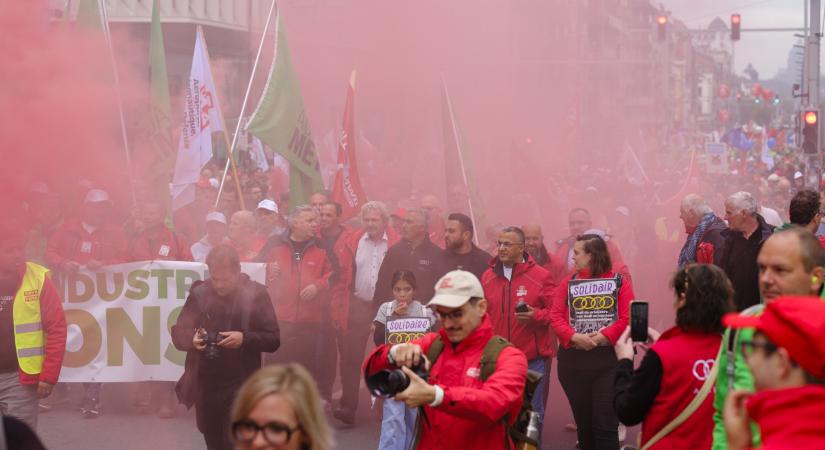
(88, 14)
(160, 110)
(280, 121)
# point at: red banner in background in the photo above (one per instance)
(346, 189)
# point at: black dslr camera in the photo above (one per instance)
(211, 339)
(388, 383)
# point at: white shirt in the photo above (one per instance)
(368, 258)
(200, 250)
(508, 272)
(771, 216)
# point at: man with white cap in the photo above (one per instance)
(463, 407)
(89, 242)
(268, 220)
(215, 234)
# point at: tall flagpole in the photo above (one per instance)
(230, 157)
(234, 142)
(460, 156)
(108, 36)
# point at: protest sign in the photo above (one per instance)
(119, 319)
(593, 304)
(403, 329)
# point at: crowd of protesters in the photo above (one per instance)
(333, 282)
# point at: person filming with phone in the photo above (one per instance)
(670, 392)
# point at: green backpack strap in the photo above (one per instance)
(490, 355)
(436, 347)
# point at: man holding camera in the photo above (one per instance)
(459, 410)
(224, 326)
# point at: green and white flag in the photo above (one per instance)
(280, 121)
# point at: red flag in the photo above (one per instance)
(346, 189)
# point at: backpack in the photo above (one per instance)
(518, 430)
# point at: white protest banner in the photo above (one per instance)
(593, 304)
(119, 319)
(403, 329)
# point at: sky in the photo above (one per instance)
(768, 52)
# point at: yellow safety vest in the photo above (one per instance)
(29, 340)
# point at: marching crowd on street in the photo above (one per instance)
(743, 365)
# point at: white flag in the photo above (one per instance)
(201, 118)
(257, 155)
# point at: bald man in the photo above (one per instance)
(242, 235)
(534, 246)
(435, 218)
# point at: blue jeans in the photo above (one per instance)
(397, 426)
(541, 366)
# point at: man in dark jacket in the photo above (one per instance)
(704, 243)
(746, 232)
(224, 326)
(415, 253)
(460, 252)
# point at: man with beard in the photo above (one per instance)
(534, 246)
(461, 253)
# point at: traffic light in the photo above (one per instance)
(661, 24)
(735, 23)
(810, 132)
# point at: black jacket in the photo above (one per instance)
(738, 260)
(475, 262)
(426, 262)
(248, 310)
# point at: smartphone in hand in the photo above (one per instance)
(638, 321)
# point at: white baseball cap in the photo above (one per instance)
(455, 289)
(216, 216)
(268, 205)
(96, 196)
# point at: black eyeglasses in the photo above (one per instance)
(275, 433)
(508, 244)
(749, 346)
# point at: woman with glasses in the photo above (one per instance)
(590, 311)
(675, 368)
(278, 408)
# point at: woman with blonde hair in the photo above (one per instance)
(278, 407)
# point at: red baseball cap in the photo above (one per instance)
(796, 324)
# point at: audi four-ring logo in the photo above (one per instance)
(403, 337)
(593, 302)
(702, 368)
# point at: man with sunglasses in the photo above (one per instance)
(787, 358)
(459, 409)
(790, 262)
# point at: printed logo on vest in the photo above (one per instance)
(164, 250)
(702, 368)
(522, 291)
(473, 372)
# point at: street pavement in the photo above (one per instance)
(121, 427)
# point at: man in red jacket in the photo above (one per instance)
(298, 277)
(32, 330)
(461, 410)
(91, 242)
(787, 358)
(156, 241)
(519, 294)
